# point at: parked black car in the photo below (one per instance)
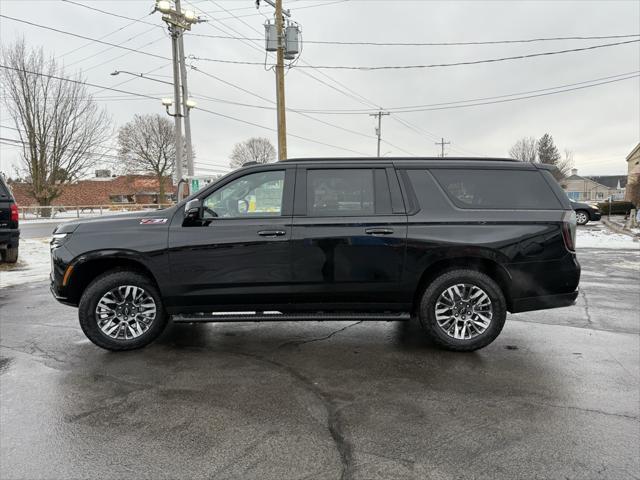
(9, 232)
(585, 212)
(455, 242)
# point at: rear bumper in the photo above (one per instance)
(9, 237)
(544, 302)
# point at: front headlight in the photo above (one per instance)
(57, 239)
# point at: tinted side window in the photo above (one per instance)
(4, 191)
(256, 194)
(500, 189)
(340, 192)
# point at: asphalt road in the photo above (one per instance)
(37, 229)
(556, 396)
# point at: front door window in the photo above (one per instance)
(254, 195)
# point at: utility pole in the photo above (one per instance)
(285, 42)
(442, 143)
(177, 117)
(379, 127)
(177, 22)
(282, 114)
(185, 103)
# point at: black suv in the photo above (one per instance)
(454, 242)
(9, 233)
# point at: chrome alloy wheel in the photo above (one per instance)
(581, 218)
(464, 311)
(125, 312)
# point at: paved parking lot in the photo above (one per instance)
(556, 396)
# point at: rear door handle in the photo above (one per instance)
(272, 233)
(379, 231)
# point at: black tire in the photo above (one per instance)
(427, 312)
(10, 255)
(103, 284)
(582, 217)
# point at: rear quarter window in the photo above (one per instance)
(4, 190)
(497, 189)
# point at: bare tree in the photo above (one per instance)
(564, 165)
(255, 149)
(61, 129)
(525, 150)
(148, 145)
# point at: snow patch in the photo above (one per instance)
(34, 263)
(604, 239)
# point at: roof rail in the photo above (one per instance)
(388, 159)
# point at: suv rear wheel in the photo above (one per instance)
(122, 310)
(463, 310)
(10, 255)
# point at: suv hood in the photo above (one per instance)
(108, 223)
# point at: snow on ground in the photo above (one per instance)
(33, 264)
(603, 238)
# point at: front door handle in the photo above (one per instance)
(379, 231)
(272, 233)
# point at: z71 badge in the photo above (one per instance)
(153, 221)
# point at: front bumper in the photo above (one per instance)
(60, 259)
(544, 302)
(595, 216)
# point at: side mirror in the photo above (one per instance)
(193, 209)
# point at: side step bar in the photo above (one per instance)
(288, 317)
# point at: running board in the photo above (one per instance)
(289, 317)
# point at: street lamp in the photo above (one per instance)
(141, 75)
(167, 102)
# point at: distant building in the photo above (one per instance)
(104, 190)
(633, 169)
(595, 189)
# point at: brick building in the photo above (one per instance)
(104, 190)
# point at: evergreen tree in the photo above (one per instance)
(547, 151)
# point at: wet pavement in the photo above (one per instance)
(555, 396)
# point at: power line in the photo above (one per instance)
(137, 20)
(433, 65)
(201, 109)
(428, 44)
(118, 56)
(112, 45)
(274, 130)
(78, 82)
(65, 32)
(523, 97)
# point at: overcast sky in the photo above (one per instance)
(600, 124)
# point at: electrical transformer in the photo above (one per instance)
(270, 37)
(291, 41)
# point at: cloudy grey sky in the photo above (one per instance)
(600, 124)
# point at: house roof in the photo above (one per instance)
(634, 153)
(611, 181)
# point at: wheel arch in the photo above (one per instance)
(88, 268)
(489, 267)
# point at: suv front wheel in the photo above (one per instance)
(582, 217)
(463, 310)
(122, 310)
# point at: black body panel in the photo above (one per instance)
(9, 232)
(371, 247)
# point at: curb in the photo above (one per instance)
(618, 229)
